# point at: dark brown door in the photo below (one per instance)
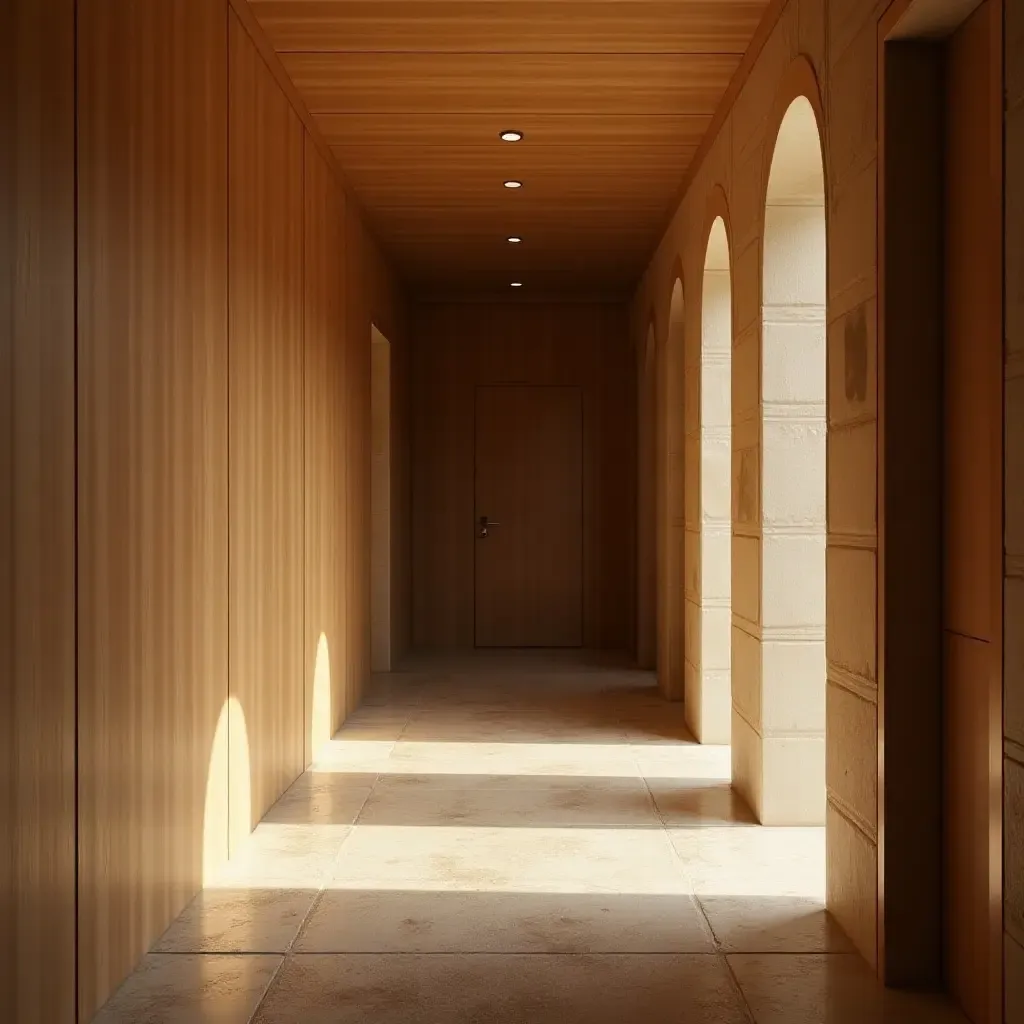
(972, 514)
(529, 492)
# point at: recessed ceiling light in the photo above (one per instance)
(517, 284)
(513, 184)
(511, 136)
(514, 239)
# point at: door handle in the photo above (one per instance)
(485, 525)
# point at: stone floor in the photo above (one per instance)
(512, 839)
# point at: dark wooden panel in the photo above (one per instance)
(456, 348)
(266, 426)
(528, 458)
(972, 514)
(152, 391)
(326, 511)
(910, 513)
(510, 83)
(37, 508)
(541, 26)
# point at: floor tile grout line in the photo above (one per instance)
(748, 1009)
(314, 903)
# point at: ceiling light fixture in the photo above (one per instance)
(513, 239)
(517, 284)
(511, 136)
(513, 184)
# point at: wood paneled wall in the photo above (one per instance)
(265, 228)
(326, 639)
(153, 470)
(455, 349)
(37, 509)
(185, 380)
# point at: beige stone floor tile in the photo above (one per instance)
(244, 920)
(322, 798)
(509, 860)
(586, 805)
(684, 803)
(169, 988)
(483, 758)
(351, 921)
(773, 924)
(354, 758)
(487, 989)
(753, 861)
(284, 856)
(427, 785)
(683, 762)
(833, 988)
(514, 733)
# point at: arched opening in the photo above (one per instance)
(647, 587)
(779, 756)
(709, 534)
(670, 502)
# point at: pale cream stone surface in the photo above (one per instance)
(463, 894)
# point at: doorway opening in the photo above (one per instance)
(528, 560)
(669, 545)
(779, 541)
(941, 552)
(380, 503)
(646, 515)
(709, 609)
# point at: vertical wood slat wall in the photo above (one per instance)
(460, 346)
(37, 507)
(225, 292)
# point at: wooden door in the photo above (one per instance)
(529, 485)
(972, 613)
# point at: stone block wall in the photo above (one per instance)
(835, 41)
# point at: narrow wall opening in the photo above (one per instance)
(779, 743)
(709, 632)
(646, 516)
(670, 450)
(380, 502)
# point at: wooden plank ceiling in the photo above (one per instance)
(612, 97)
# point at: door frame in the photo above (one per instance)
(477, 388)
(911, 720)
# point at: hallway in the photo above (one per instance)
(508, 838)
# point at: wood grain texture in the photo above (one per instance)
(326, 512)
(8, 251)
(528, 447)
(458, 347)
(152, 390)
(527, 26)
(614, 98)
(37, 510)
(972, 515)
(266, 216)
